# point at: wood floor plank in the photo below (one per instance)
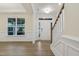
(40, 48)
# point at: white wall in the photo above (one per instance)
(71, 18)
(28, 27)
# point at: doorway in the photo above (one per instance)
(44, 30)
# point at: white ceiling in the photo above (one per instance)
(35, 8)
(13, 7)
(39, 6)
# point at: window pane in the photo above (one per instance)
(10, 33)
(20, 21)
(20, 31)
(11, 29)
(11, 22)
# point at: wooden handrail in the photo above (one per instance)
(58, 16)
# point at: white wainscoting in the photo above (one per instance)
(7, 38)
(67, 46)
(71, 45)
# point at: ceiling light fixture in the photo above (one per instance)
(47, 10)
(59, 3)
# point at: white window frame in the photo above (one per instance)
(15, 27)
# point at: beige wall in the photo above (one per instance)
(71, 20)
(3, 25)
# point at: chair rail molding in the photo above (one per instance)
(71, 37)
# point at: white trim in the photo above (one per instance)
(63, 20)
(71, 37)
(15, 27)
(57, 43)
(71, 46)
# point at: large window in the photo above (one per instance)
(16, 26)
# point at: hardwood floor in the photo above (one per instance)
(40, 48)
